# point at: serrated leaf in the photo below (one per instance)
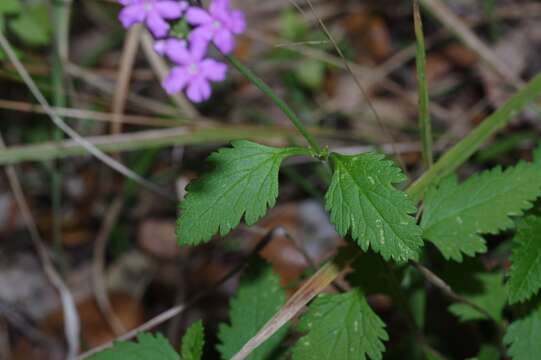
(244, 182)
(363, 200)
(148, 347)
(523, 336)
(489, 294)
(456, 215)
(258, 298)
(341, 326)
(525, 273)
(193, 341)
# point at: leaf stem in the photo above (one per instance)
(261, 85)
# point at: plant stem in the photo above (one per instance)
(261, 85)
(459, 153)
(425, 129)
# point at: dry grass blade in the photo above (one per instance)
(316, 284)
(106, 159)
(71, 318)
(472, 41)
(127, 59)
(84, 114)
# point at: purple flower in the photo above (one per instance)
(151, 12)
(193, 71)
(219, 24)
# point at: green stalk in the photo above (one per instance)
(425, 128)
(261, 85)
(462, 151)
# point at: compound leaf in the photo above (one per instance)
(525, 274)
(455, 215)
(258, 298)
(363, 200)
(341, 326)
(148, 347)
(193, 341)
(244, 182)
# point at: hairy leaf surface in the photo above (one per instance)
(341, 326)
(362, 200)
(243, 182)
(455, 215)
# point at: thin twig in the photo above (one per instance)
(71, 318)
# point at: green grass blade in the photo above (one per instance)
(425, 128)
(464, 149)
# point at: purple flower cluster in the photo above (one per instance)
(193, 70)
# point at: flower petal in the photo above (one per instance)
(170, 9)
(219, 8)
(198, 46)
(213, 70)
(131, 14)
(156, 24)
(224, 41)
(176, 80)
(177, 51)
(237, 22)
(198, 16)
(198, 90)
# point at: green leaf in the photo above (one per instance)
(149, 347)
(488, 352)
(9, 7)
(311, 73)
(525, 273)
(292, 26)
(33, 25)
(455, 215)
(244, 182)
(523, 336)
(258, 298)
(487, 292)
(341, 326)
(193, 341)
(361, 198)
(537, 154)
